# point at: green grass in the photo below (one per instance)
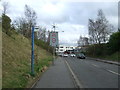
(16, 61)
(113, 57)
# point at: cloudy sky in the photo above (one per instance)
(70, 16)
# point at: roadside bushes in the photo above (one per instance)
(97, 49)
(6, 23)
(44, 45)
(105, 49)
(114, 42)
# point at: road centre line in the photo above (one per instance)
(95, 65)
(108, 70)
(113, 72)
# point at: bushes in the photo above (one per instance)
(114, 42)
(106, 48)
(97, 49)
(44, 45)
(6, 23)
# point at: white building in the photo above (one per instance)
(61, 49)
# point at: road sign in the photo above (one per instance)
(54, 38)
(36, 28)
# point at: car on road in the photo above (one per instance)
(72, 55)
(81, 56)
(60, 55)
(65, 55)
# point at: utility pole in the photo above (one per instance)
(54, 27)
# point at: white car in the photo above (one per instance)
(65, 55)
(72, 55)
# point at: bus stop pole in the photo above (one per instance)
(32, 52)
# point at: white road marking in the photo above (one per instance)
(107, 70)
(113, 72)
(95, 65)
(74, 76)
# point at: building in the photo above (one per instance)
(61, 49)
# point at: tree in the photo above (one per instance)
(99, 29)
(5, 7)
(6, 23)
(21, 26)
(82, 41)
(30, 16)
(118, 29)
(42, 34)
(114, 42)
(24, 24)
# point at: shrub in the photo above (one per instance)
(44, 45)
(114, 42)
(6, 23)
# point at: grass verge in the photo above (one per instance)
(16, 61)
(113, 57)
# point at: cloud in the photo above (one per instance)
(70, 17)
(71, 33)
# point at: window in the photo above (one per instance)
(61, 49)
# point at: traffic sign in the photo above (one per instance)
(54, 38)
(36, 28)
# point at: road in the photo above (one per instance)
(94, 74)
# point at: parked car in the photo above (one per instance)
(72, 55)
(65, 55)
(81, 56)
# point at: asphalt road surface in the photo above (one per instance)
(94, 74)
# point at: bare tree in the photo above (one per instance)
(42, 34)
(21, 25)
(30, 16)
(82, 41)
(100, 29)
(5, 7)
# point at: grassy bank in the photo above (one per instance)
(16, 61)
(113, 57)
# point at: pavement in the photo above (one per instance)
(57, 76)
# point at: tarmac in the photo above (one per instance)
(57, 76)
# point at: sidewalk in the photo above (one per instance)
(57, 76)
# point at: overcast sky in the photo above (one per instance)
(69, 16)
